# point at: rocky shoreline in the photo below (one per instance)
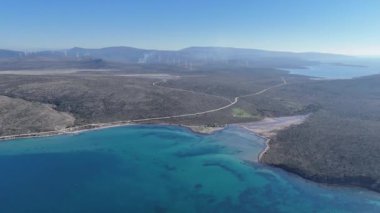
(359, 182)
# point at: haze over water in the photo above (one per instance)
(341, 70)
(159, 169)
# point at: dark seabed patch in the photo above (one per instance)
(158, 169)
(41, 182)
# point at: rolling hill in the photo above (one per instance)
(188, 57)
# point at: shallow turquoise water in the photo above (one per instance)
(158, 169)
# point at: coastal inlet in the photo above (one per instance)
(159, 168)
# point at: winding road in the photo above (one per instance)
(236, 100)
(118, 123)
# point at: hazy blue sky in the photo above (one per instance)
(343, 26)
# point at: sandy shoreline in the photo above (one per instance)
(266, 141)
(93, 127)
(269, 127)
(206, 130)
(266, 129)
(67, 131)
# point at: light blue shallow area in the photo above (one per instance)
(154, 168)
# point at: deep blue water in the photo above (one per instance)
(330, 71)
(159, 169)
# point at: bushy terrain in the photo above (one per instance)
(19, 116)
(340, 143)
(233, 82)
(93, 99)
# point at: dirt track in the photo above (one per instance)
(119, 123)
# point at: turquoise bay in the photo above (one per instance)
(156, 168)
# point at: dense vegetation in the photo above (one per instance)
(340, 142)
(102, 99)
(93, 97)
(19, 116)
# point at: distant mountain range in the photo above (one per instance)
(188, 57)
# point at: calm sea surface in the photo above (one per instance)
(330, 71)
(158, 169)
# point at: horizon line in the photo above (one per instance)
(37, 49)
